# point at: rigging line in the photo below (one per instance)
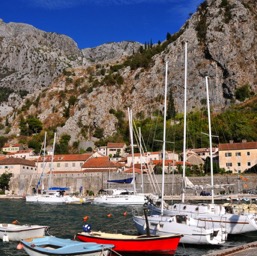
(40, 152)
(153, 180)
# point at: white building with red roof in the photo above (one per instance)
(62, 163)
(148, 157)
(101, 164)
(12, 147)
(115, 149)
(17, 166)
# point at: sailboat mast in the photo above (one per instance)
(185, 119)
(141, 152)
(164, 135)
(132, 148)
(52, 160)
(210, 140)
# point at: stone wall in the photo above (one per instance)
(95, 181)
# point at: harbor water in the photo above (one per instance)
(67, 220)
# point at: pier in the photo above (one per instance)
(242, 250)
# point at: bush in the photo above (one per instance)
(243, 92)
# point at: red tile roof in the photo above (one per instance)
(7, 145)
(2, 157)
(238, 146)
(130, 170)
(100, 162)
(115, 145)
(17, 161)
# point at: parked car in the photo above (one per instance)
(205, 193)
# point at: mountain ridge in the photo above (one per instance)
(221, 38)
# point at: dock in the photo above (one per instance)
(242, 250)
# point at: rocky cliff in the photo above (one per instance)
(99, 84)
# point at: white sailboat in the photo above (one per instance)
(52, 194)
(214, 215)
(124, 196)
(193, 231)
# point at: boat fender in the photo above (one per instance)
(5, 238)
(85, 218)
(86, 228)
(20, 246)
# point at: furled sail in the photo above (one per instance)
(124, 181)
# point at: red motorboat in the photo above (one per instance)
(128, 244)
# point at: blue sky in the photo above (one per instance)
(94, 22)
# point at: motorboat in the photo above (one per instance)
(16, 232)
(51, 245)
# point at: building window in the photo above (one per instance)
(73, 164)
(66, 165)
(228, 154)
(58, 164)
(229, 164)
(238, 164)
(248, 153)
(248, 163)
(238, 153)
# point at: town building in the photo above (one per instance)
(148, 157)
(237, 157)
(62, 162)
(9, 147)
(115, 149)
(17, 166)
(28, 154)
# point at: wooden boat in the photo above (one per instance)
(144, 244)
(14, 232)
(51, 245)
(132, 243)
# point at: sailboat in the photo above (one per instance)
(193, 231)
(213, 215)
(124, 196)
(52, 194)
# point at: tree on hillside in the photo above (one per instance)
(4, 181)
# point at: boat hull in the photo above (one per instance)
(19, 232)
(53, 199)
(213, 215)
(193, 232)
(134, 244)
(65, 247)
(120, 200)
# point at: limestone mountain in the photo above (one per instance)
(87, 92)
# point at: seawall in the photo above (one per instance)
(95, 181)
